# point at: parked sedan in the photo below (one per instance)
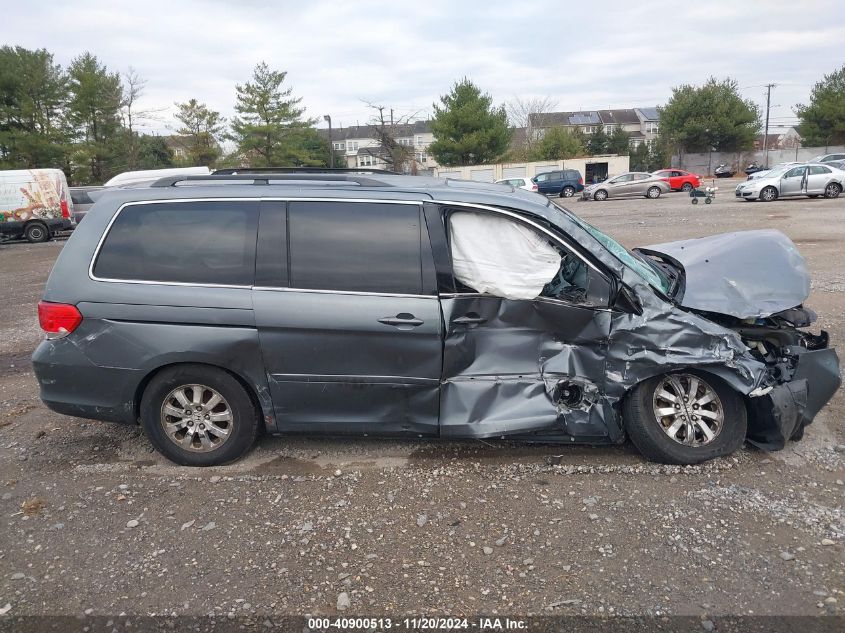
(519, 183)
(812, 180)
(633, 183)
(679, 180)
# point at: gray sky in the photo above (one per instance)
(404, 55)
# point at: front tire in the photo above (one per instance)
(653, 192)
(600, 195)
(687, 187)
(567, 192)
(196, 415)
(36, 232)
(769, 194)
(685, 417)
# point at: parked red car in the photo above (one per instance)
(678, 179)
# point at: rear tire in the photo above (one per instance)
(832, 190)
(36, 232)
(192, 447)
(695, 200)
(653, 193)
(654, 436)
(567, 192)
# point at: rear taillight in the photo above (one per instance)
(580, 180)
(535, 188)
(58, 319)
(65, 209)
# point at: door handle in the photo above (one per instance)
(470, 319)
(402, 321)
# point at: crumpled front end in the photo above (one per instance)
(804, 381)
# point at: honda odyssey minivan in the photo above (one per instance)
(210, 308)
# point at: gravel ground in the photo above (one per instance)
(96, 523)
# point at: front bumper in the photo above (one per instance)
(782, 414)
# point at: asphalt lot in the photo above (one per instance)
(96, 523)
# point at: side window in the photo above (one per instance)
(542, 178)
(205, 242)
(794, 172)
(505, 258)
(815, 170)
(355, 246)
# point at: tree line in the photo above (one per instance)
(85, 119)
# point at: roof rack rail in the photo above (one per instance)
(265, 178)
(301, 170)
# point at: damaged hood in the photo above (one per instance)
(744, 274)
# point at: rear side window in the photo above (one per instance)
(355, 246)
(207, 242)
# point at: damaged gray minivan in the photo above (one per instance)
(212, 308)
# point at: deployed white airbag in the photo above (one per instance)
(501, 257)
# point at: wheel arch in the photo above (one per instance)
(251, 389)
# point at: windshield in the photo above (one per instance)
(652, 275)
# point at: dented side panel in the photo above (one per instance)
(507, 370)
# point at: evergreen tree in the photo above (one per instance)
(823, 119)
(201, 127)
(597, 142)
(619, 142)
(33, 130)
(153, 152)
(269, 130)
(468, 129)
(710, 117)
(94, 113)
(557, 143)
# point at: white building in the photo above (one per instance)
(360, 146)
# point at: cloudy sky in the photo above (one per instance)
(404, 55)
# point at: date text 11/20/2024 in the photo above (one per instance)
(416, 624)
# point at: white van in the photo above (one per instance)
(35, 204)
(149, 175)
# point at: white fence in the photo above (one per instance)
(612, 164)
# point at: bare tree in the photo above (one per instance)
(523, 113)
(133, 90)
(387, 129)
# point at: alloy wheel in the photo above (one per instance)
(688, 409)
(196, 418)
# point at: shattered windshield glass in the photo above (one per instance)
(651, 274)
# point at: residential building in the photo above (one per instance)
(779, 138)
(641, 124)
(649, 123)
(360, 146)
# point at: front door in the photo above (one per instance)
(620, 186)
(794, 182)
(348, 317)
(526, 330)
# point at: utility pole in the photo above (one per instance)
(328, 119)
(766, 132)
